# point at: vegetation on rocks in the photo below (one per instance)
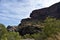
(43, 24)
(50, 31)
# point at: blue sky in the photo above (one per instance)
(12, 11)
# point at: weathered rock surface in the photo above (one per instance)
(40, 14)
(52, 11)
(32, 25)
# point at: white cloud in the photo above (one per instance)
(19, 9)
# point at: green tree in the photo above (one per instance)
(13, 36)
(3, 30)
(5, 35)
(52, 27)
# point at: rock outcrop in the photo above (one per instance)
(40, 14)
(32, 25)
(52, 11)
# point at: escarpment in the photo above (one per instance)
(35, 19)
(33, 24)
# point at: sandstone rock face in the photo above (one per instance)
(52, 11)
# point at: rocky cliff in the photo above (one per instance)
(34, 23)
(52, 11)
(37, 16)
(41, 14)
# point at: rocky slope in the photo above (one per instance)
(41, 14)
(34, 23)
(38, 15)
(52, 11)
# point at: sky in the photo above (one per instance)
(12, 11)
